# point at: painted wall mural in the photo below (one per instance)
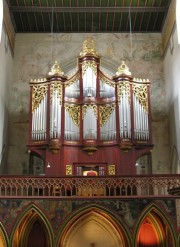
(127, 212)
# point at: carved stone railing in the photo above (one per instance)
(126, 186)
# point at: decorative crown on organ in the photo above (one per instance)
(56, 70)
(89, 47)
(123, 69)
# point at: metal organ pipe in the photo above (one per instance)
(51, 116)
(143, 123)
(59, 120)
(139, 121)
(39, 120)
(137, 117)
(33, 126)
(147, 127)
(121, 118)
(89, 83)
(141, 126)
(128, 117)
(44, 114)
(124, 115)
(55, 116)
(36, 124)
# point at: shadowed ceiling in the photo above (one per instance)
(80, 16)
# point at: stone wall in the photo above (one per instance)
(172, 75)
(6, 60)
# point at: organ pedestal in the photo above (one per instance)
(89, 119)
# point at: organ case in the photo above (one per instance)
(89, 118)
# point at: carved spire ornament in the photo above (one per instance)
(89, 47)
(123, 69)
(56, 70)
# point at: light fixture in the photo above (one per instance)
(48, 165)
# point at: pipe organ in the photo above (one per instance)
(89, 120)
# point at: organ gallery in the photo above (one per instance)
(88, 120)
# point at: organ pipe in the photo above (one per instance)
(39, 120)
(124, 111)
(89, 79)
(55, 110)
(141, 127)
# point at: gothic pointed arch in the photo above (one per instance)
(94, 226)
(154, 229)
(144, 163)
(4, 241)
(32, 225)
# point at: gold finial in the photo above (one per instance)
(89, 47)
(56, 70)
(123, 69)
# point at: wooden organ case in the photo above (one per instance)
(88, 120)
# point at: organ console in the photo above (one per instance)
(89, 119)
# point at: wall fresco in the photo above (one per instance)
(126, 211)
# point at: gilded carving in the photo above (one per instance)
(85, 108)
(56, 86)
(56, 70)
(141, 93)
(72, 80)
(105, 112)
(107, 80)
(89, 47)
(111, 169)
(68, 169)
(38, 93)
(89, 64)
(123, 69)
(74, 112)
(125, 86)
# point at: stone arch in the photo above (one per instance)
(144, 163)
(3, 237)
(154, 223)
(93, 225)
(31, 218)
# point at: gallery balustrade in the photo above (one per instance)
(126, 186)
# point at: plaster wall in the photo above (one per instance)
(6, 60)
(36, 53)
(172, 75)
